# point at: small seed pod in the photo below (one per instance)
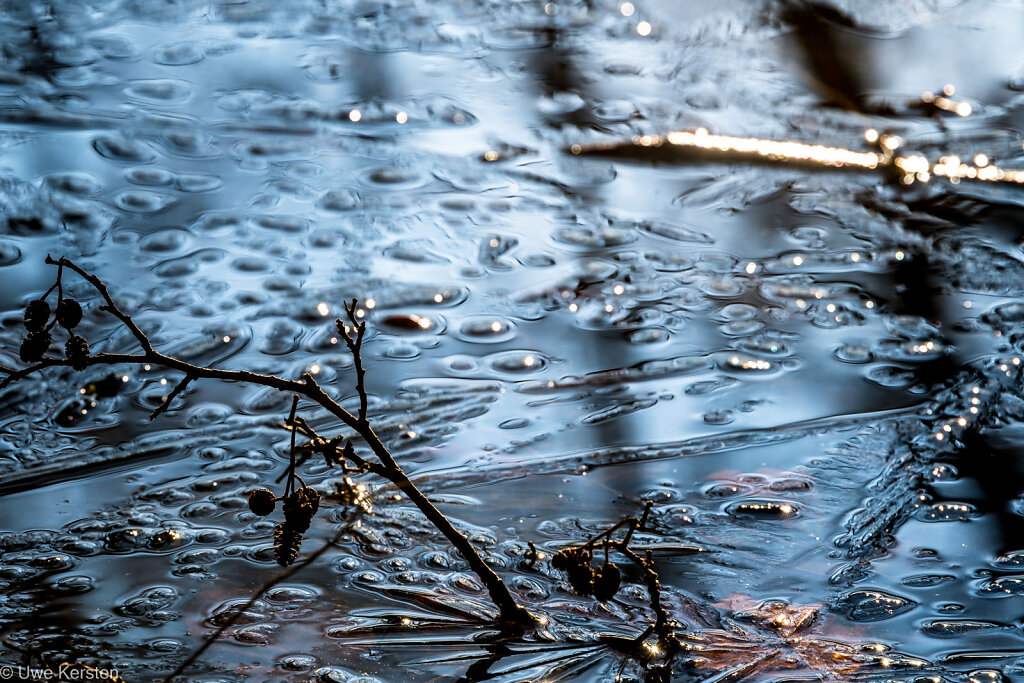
(300, 507)
(37, 313)
(607, 579)
(569, 558)
(286, 543)
(35, 345)
(77, 351)
(261, 502)
(310, 499)
(581, 578)
(560, 560)
(69, 313)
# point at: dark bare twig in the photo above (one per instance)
(512, 613)
(646, 563)
(318, 441)
(532, 555)
(291, 451)
(578, 560)
(355, 346)
(166, 403)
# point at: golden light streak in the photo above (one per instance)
(911, 167)
(789, 151)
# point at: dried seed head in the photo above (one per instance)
(69, 313)
(37, 313)
(569, 558)
(261, 502)
(77, 351)
(300, 507)
(581, 578)
(287, 541)
(607, 579)
(35, 345)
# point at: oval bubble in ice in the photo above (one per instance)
(517, 362)
(486, 330)
(947, 512)
(178, 54)
(166, 90)
(719, 417)
(143, 201)
(853, 353)
(152, 176)
(165, 240)
(411, 323)
(866, 605)
(119, 148)
(763, 509)
(196, 182)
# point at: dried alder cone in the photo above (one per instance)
(77, 351)
(262, 502)
(607, 579)
(69, 313)
(286, 544)
(37, 321)
(37, 314)
(603, 583)
(300, 507)
(35, 346)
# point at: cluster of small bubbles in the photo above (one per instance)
(947, 512)
(151, 605)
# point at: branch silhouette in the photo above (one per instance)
(511, 613)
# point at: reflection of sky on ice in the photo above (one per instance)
(592, 276)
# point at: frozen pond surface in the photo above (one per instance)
(811, 372)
